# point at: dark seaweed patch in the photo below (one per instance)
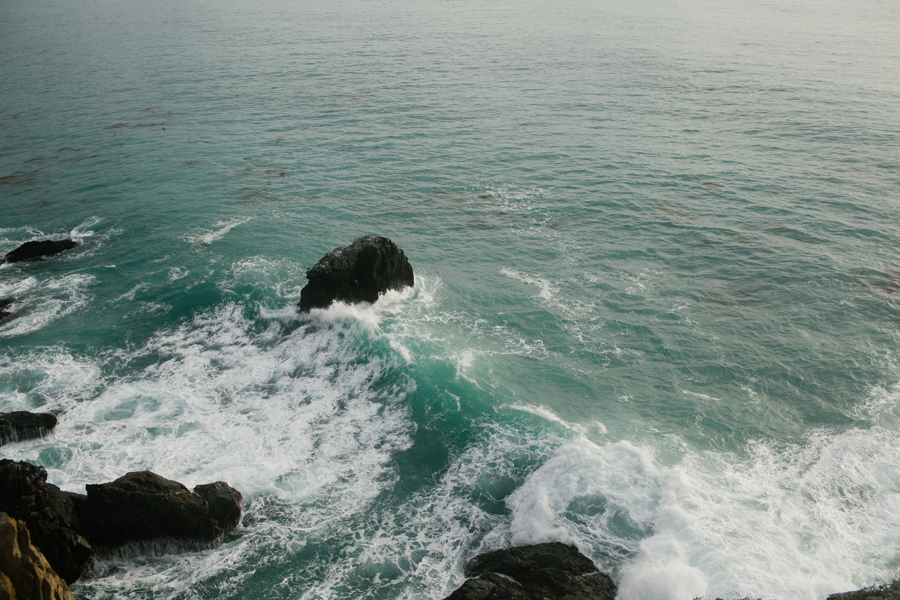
(19, 178)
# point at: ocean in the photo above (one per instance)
(656, 304)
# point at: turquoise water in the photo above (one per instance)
(656, 303)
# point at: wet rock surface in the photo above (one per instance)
(890, 591)
(143, 506)
(224, 503)
(6, 307)
(541, 571)
(359, 272)
(138, 507)
(38, 249)
(49, 515)
(24, 572)
(24, 425)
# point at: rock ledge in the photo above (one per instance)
(538, 572)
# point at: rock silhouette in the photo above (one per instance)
(24, 425)
(38, 249)
(360, 272)
(538, 572)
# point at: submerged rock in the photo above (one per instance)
(38, 249)
(359, 272)
(24, 572)
(145, 506)
(49, 514)
(6, 307)
(23, 425)
(541, 571)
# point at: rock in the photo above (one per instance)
(145, 506)
(359, 272)
(49, 515)
(888, 591)
(6, 307)
(38, 249)
(23, 425)
(224, 503)
(541, 571)
(24, 572)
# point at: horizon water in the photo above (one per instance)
(656, 301)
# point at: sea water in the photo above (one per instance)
(656, 304)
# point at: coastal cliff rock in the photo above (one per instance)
(538, 572)
(49, 515)
(145, 506)
(889, 591)
(360, 272)
(24, 425)
(138, 507)
(38, 249)
(24, 572)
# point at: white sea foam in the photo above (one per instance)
(545, 413)
(297, 422)
(208, 237)
(82, 231)
(39, 303)
(784, 521)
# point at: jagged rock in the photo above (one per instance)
(145, 506)
(224, 503)
(538, 572)
(888, 591)
(38, 249)
(6, 307)
(23, 425)
(49, 514)
(24, 572)
(138, 507)
(359, 272)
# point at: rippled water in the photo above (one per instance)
(656, 301)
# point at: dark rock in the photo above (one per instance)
(144, 506)
(39, 248)
(135, 508)
(359, 272)
(888, 591)
(224, 503)
(538, 572)
(23, 425)
(49, 515)
(6, 307)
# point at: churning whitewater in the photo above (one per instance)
(656, 289)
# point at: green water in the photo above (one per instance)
(656, 299)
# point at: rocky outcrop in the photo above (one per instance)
(889, 591)
(38, 249)
(24, 572)
(359, 272)
(224, 503)
(24, 425)
(538, 572)
(49, 514)
(6, 307)
(138, 507)
(145, 506)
